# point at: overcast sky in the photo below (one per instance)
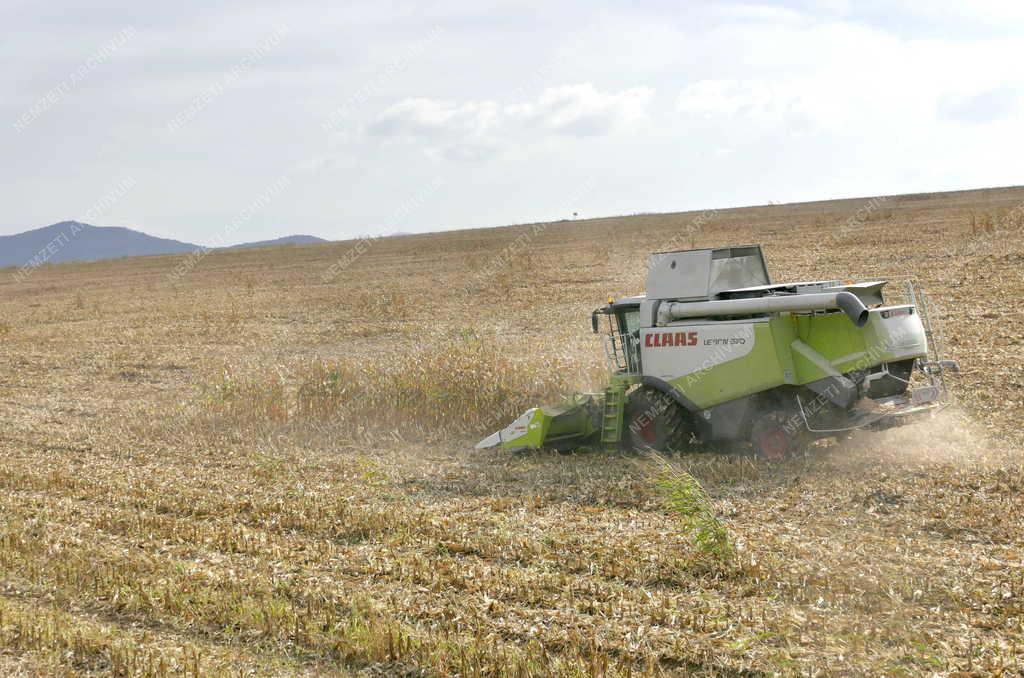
(214, 121)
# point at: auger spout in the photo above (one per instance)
(845, 301)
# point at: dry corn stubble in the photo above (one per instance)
(259, 469)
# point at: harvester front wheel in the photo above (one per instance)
(654, 421)
(775, 436)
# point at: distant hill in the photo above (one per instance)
(287, 240)
(74, 241)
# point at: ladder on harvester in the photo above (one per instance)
(614, 408)
(918, 300)
(934, 364)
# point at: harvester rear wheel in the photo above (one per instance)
(654, 421)
(775, 436)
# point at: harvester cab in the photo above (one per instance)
(622, 338)
(715, 352)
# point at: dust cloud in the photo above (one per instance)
(950, 436)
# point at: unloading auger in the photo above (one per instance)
(715, 352)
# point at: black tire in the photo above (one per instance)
(654, 421)
(776, 435)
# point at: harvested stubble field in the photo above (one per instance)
(260, 463)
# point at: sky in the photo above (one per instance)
(217, 121)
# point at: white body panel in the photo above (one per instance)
(700, 274)
(900, 336)
(674, 351)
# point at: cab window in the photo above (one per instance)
(629, 320)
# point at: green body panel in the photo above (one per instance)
(801, 348)
(572, 420)
(832, 336)
(537, 430)
(758, 370)
(848, 348)
(784, 334)
(623, 380)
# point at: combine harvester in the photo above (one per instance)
(715, 352)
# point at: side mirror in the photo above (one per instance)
(593, 321)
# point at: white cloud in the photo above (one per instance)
(827, 77)
(764, 103)
(943, 15)
(762, 13)
(476, 129)
(583, 110)
(429, 118)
